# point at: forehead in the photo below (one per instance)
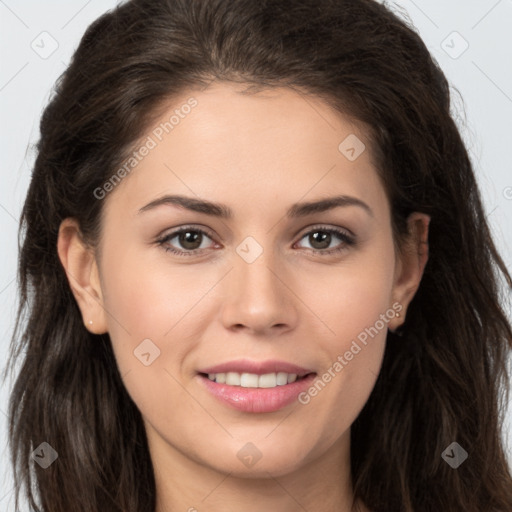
(272, 146)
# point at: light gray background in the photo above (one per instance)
(29, 31)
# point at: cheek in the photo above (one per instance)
(140, 306)
(147, 297)
(358, 294)
(156, 317)
(357, 310)
(359, 315)
(147, 321)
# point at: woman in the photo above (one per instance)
(257, 272)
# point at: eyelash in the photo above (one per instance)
(347, 240)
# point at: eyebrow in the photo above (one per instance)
(222, 211)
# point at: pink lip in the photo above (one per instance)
(257, 400)
(256, 367)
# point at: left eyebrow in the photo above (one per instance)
(323, 205)
(222, 211)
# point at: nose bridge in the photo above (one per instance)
(257, 297)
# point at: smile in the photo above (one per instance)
(253, 380)
(268, 396)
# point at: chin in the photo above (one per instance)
(261, 458)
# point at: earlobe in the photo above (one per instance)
(411, 264)
(81, 269)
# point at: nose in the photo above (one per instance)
(259, 297)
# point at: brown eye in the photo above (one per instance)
(321, 238)
(184, 241)
(190, 239)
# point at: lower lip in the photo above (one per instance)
(257, 399)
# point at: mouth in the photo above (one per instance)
(253, 380)
(255, 387)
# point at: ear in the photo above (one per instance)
(80, 265)
(410, 265)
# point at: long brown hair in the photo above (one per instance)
(444, 376)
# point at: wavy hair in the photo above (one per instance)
(444, 374)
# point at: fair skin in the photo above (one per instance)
(258, 155)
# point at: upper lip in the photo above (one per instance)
(256, 367)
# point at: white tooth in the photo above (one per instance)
(233, 379)
(282, 378)
(267, 381)
(249, 380)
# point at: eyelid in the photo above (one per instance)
(325, 227)
(169, 233)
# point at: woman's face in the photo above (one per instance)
(261, 290)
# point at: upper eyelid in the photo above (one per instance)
(326, 227)
(192, 227)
